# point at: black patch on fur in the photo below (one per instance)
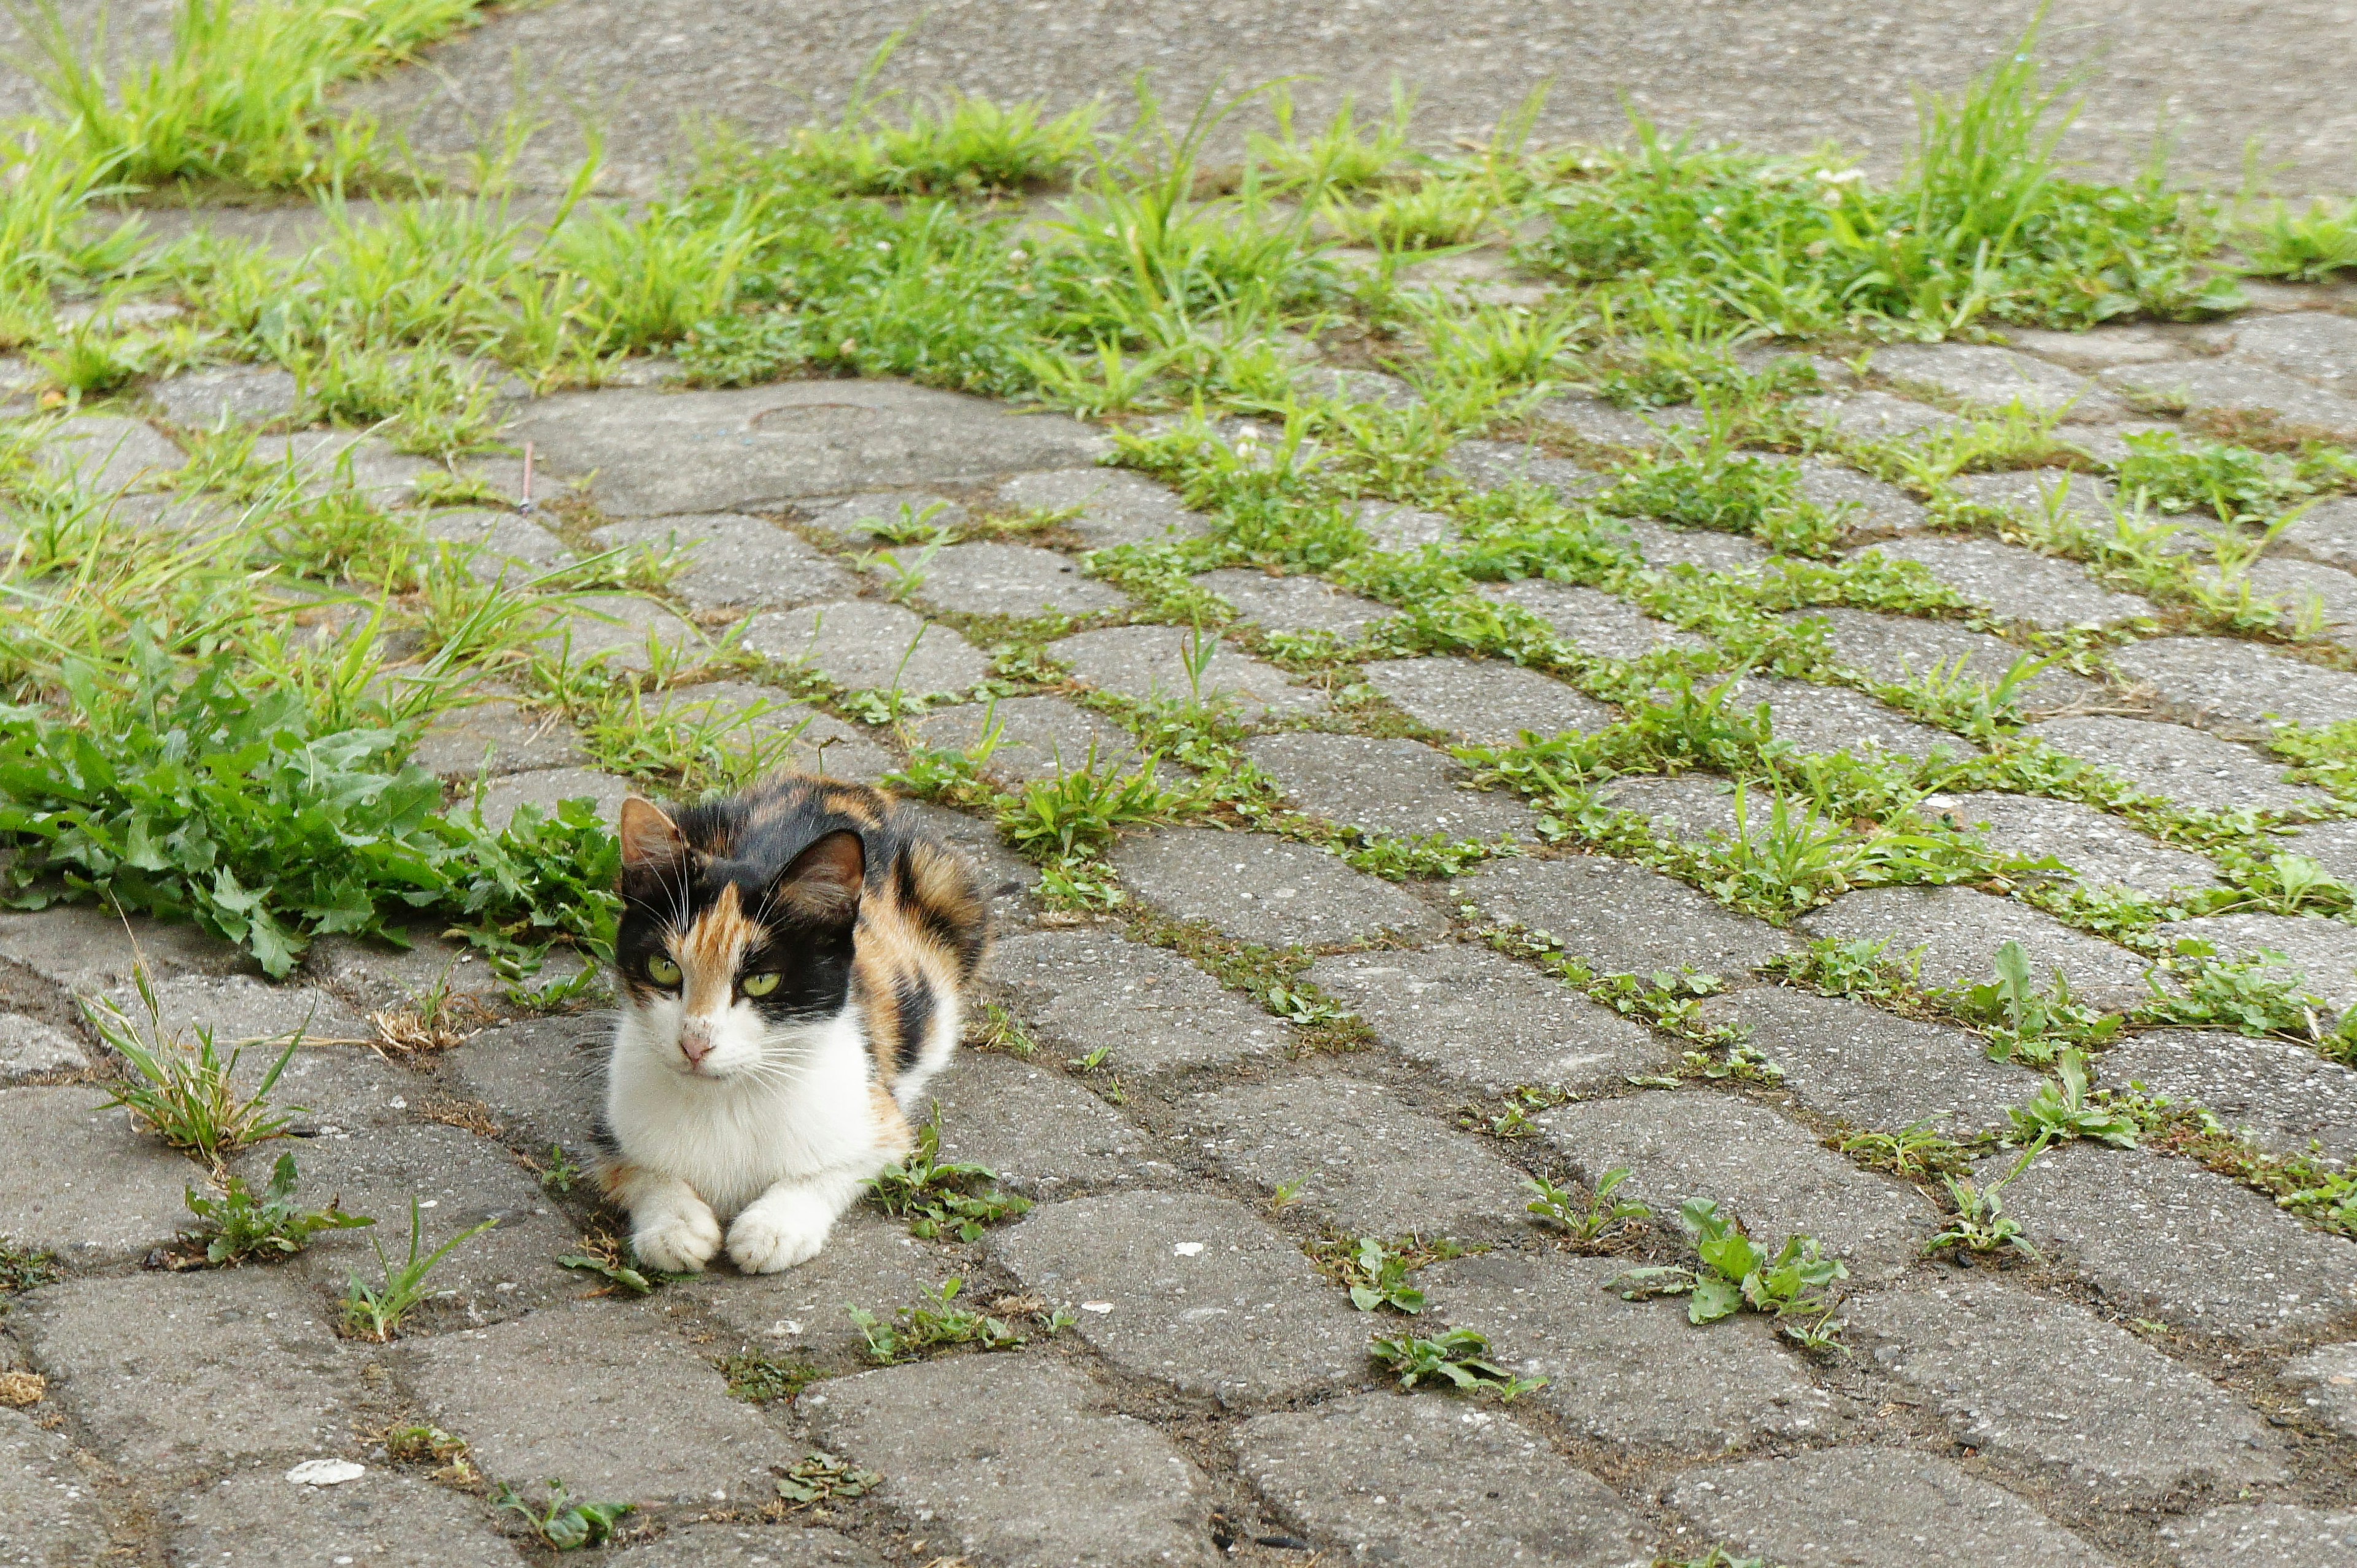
(912, 999)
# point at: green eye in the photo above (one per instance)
(759, 984)
(663, 971)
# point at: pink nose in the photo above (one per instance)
(694, 1043)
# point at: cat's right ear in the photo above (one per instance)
(824, 882)
(650, 840)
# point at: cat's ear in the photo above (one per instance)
(650, 840)
(824, 882)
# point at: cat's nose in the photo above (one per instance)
(694, 1043)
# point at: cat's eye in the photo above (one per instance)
(663, 971)
(759, 984)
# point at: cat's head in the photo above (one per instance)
(725, 962)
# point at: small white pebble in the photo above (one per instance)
(1096, 1306)
(1187, 1249)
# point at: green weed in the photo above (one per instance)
(560, 1522)
(2306, 246)
(241, 1224)
(1596, 1219)
(1979, 1225)
(1346, 155)
(2026, 1022)
(1459, 1356)
(1078, 813)
(936, 1321)
(759, 1378)
(23, 1269)
(376, 1311)
(2063, 1109)
(940, 1198)
(1789, 1284)
(821, 1477)
(1377, 1275)
(1917, 1151)
(188, 1094)
(2172, 475)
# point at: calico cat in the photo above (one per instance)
(791, 965)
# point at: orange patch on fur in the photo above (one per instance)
(709, 951)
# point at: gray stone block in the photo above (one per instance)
(1632, 1373)
(621, 632)
(801, 1315)
(1960, 929)
(857, 519)
(2100, 348)
(1770, 1173)
(235, 394)
(2281, 1096)
(1495, 465)
(503, 546)
(1116, 507)
(2324, 951)
(32, 1050)
(239, 1010)
(1484, 702)
(1868, 505)
(84, 948)
(2333, 846)
(2180, 764)
(323, 461)
(105, 453)
(1704, 549)
(1869, 416)
(2019, 583)
(988, 579)
(1899, 649)
(2036, 493)
(1410, 1480)
(740, 715)
(549, 788)
(1621, 918)
(1259, 888)
(2315, 344)
(1080, 990)
(2326, 532)
(383, 1517)
(1039, 737)
(1820, 720)
(1198, 1293)
(2329, 1377)
(2165, 1238)
(752, 1546)
(1688, 806)
(867, 646)
(1592, 621)
(647, 454)
(599, 1393)
(49, 1512)
(2237, 385)
(2265, 1535)
(180, 1374)
(1400, 529)
(1294, 603)
(2318, 601)
(2049, 1382)
(2207, 680)
(1402, 786)
(1359, 387)
(733, 559)
(1865, 1068)
(1477, 1018)
(498, 737)
(542, 1078)
(1148, 664)
(1046, 1137)
(1008, 1458)
(372, 974)
(1358, 1158)
(1844, 1506)
(2099, 848)
(1591, 419)
(1989, 377)
(76, 1180)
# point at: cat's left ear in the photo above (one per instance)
(650, 840)
(824, 880)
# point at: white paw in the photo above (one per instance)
(678, 1241)
(777, 1233)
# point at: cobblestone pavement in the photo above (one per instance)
(2171, 1386)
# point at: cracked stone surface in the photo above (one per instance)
(1623, 918)
(1496, 465)
(1861, 1066)
(2180, 764)
(2016, 1374)
(1870, 505)
(1838, 1506)
(2267, 1535)
(2211, 678)
(379, 1517)
(1992, 378)
(1959, 931)
(1039, 737)
(2328, 1379)
(1149, 663)
(1820, 719)
(2102, 851)
(1704, 549)
(1270, 891)
(2326, 532)
(988, 579)
(31, 1049)
(1193, 1292)
(49, 1515)
(75, 1179)
(2323, 951)
(2235, 385)
(1401, 787)
(242, 394)
(1045, 1136)
(1394, 1479)
(802, 1316)
(1116, 507)
(733, 561)
(1294, 603)
(1592, 621)
(498, 737)
(1899, 649)
(1484, 702)
(1153, 1010)
(2019, 584)
(1488, 1021)
(868, 646)
(2280, 1095)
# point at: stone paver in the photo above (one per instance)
(1149, 664)
(2017, 1374)
(235, 394)
(1623, 918)
(2280, 1095)
(1869, 505)
(1839, 1506)
(986, 579)
(603, 1396)
(737, 716)
(1817, 720)
(1484, 702)
(1690, 806)
(2328, 1379)
(2234, 385)
(1592, 419)
(1294, 603)
(1876, 416)
(752, 1546)
(1353, 1153)
(31, 1049)
(2314, 345)
(2326, 532)
(500, 547)
(1195, 1292)
(856, 519)
(1267, 890)
(1006, 1457)
(1045, 1136)
(2099, 848)
(1115, 507)
(1400, 787)
(1592, 621)
(1959, 931)
(498, 737)
(1482, 1019)
(105, 453)
(549, 788)
(1771, 1173)
(1627, 1372)
(1403, 528)
(802, 1316)
(2180, 764)
(1899, 649)
(541, 1078)
(622, 632)
(733, 559)
(2036, 493)
(1495, 465)
(1077, 991)
(1704, 549)
(381, 1517)
(650, 454)
(1862, 1065)
(1039, 737)
(2318, 601)
(2019, 583)
(49, 1514)
(1395, 1479)
(2323, 951)
(75, 1179)
(182, 1373)
(1992, 378)
(2267, 1535)
(2164, 1238)
(868, 646)
(2210, 680)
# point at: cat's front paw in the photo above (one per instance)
(778, 1232)
(680, 1240)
